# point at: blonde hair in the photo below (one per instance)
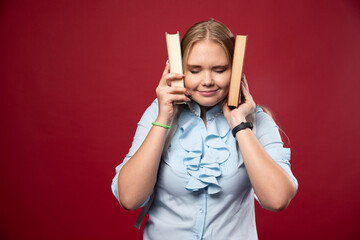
(212, 30)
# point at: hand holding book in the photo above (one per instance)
(167, 94)
(245, 111)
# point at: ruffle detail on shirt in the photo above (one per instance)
(203, 170)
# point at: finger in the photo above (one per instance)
(166, 92)
(165, 72)
(180, 98)
(177, 90)
(173, 76)
(171, 98)
(167, 68)
(248, 99)
(245, 83)
(246, 93)
(225, 108)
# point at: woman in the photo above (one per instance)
(204, 186)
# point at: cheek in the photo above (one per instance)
(187, 82)
(224, 81)
(190, 82)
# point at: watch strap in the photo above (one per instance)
(242, 126)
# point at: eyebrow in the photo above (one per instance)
(217, 66)
(193, 66)
(222, 66)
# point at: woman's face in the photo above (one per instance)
(207, 73)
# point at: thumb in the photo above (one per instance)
(226, 109)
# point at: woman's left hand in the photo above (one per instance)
(245, 111)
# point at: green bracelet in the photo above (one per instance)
(161, 125)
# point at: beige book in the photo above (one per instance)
(174, 54)
(234, 97)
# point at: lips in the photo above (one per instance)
(208, 93)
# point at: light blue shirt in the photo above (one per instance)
(203, 190)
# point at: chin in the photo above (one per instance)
(208, 104)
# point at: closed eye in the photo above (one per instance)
(194, 71)
(220, 68)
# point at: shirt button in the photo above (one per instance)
(201, 210)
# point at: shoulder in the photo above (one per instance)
(154, 106)
(151, 112)
(262, 118)
(267, 130)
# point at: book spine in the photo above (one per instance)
(234, 96)
(175, 58)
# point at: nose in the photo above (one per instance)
(207, 79)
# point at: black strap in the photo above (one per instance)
(242, 126)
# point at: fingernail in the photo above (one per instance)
(188, 92)
(167, 62)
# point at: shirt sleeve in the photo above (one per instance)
(267, 132)
(143, 128)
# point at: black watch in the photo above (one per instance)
(242, 126)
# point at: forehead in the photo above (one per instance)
(207, 52)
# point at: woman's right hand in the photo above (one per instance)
(167, 95)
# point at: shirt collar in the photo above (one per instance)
(210, 114)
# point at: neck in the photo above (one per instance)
(203, 113)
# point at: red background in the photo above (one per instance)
(76, 77)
